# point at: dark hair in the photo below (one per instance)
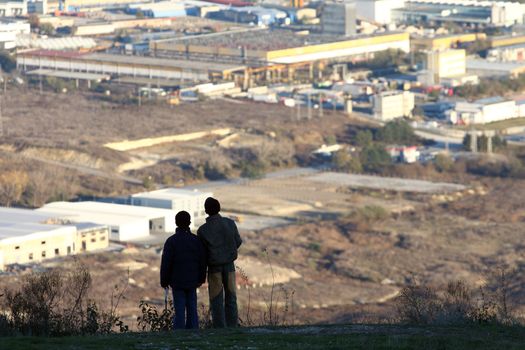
(212, 206)
(183, 219)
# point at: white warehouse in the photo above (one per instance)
(483, 111)
(175, 199)
(126, 222)
(28, 236)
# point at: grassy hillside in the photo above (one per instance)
(307, 337)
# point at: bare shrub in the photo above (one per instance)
(456, 303)
(56, 303)
(153, 320)
(279, 304)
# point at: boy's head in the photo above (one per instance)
(212, 206)
(183, 219)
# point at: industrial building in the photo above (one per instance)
(443, 42)
(377, 11)
(483, 111)
(122, 65)
(176, 200)
(467, 12)
(252, 15)
(28, 236)
(338, 19)
(388, 105)
(486, 68)
(280, 46)
(11, 31)
(445, 64)
(13, 8)
(126, 222)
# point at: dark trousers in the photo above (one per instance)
(185, 305)
(223, 296)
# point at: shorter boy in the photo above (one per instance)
(183, 268)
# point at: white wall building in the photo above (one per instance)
(176, 200)
(29, 236)
(483, 111)
(377, 11)
(126, 222)
(446, 64)
(13, 8)
(389, 105)
(10, 31)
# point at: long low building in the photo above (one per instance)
(124, 65)
(126, 222)
(28, 236)
(281, 46)
(175, 199)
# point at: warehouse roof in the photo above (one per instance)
(172, 193)
(267, 39)
(106, 211)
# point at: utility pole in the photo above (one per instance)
(1, 123)
(309, 107)
(321, 113)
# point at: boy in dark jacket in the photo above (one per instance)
(183, 268)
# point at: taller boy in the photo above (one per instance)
(221, 239)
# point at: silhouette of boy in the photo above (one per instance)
(183, 268)
(221, 239)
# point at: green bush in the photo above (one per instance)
(396, 131)
(374, 158)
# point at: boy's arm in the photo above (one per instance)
(166, 265)
(202, 263)
(238, 240)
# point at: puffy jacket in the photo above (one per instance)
(221, 239)
(183, 263)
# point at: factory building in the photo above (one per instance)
(13, 8)
(445, 64)
(483, 111)
(443, 42)
(338, 19)
(280, 46)
(121, 65)
(486, 68)
(176, 200)
(126, 222)
(252, 15)
(377, 11)
(388, 105)
(28, 236)
(467, 12)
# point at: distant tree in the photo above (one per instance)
(12, 186)
(7, 61)
(396, 131)
(443, 162)
(374, 158)
(364, 138)
(330, 140)
(46, 29)
(34, 21)
(343, 161)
